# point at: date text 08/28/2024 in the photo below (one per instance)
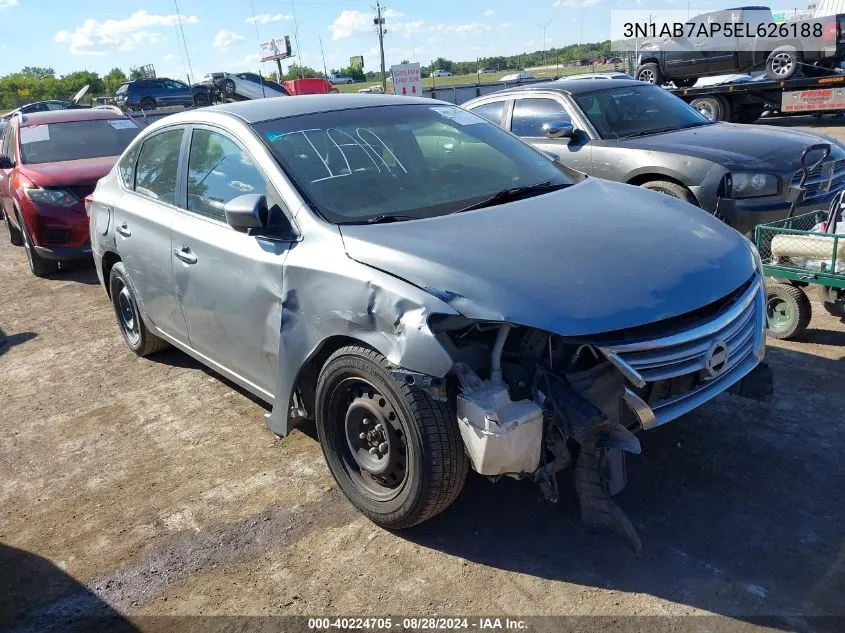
(416, 624)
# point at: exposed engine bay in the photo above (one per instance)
(529, 404)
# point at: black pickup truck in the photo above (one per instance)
(745, 38)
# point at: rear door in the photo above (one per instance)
(142, 219)
(177, 93)
(7, 148)
(229, 283)
(527, 119)
(720, 51)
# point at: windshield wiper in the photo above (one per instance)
(662, 130)
(385, 218)
(514, 193)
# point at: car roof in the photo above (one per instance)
(258, 110)
(68, 116)
(576, 86)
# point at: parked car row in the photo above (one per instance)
(149, 94)
(433, 292)
(633, 132)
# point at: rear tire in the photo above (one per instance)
(39, 266)
(148, 103)
(139, 339)
(672, 189)
(788, 311)
(712, 108)
(649, 73)
(783, 63)
(417, 466)
(749, 114)
(228, 87)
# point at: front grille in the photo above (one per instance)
(828, 176)
(675, 367)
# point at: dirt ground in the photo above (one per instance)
(150, 487)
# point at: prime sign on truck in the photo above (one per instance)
(406, 79)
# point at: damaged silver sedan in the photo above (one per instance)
(434, 293)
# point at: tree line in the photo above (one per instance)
(35, 83)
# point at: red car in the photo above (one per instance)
(49, 162)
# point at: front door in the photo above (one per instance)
(143, 216)
(529, 115)
(230, 283)
(684, 56)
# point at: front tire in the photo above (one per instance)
(788, 311)
(15, 236)
(671, 189)
(649, 73)
(139, 339)
(39, 266)
(395, 452)
(229, 88)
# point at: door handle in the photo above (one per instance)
(184, 254)
(123, 229)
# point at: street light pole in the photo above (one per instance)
(544, 27)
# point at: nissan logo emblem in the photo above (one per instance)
(717, 359)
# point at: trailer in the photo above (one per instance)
(745, 102)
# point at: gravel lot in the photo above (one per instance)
(148, 487)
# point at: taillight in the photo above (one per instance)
(88, 202)
(831, 31)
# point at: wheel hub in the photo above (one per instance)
(781, 63)
(375, 439)
(778, 313)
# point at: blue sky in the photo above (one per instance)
(97, 35)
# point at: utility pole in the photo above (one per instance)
(325, 72)
(296, 38)
(379, 22)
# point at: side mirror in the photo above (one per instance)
(6, 162)
(558, 129)
(247, 212)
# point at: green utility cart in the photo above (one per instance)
(803, 250)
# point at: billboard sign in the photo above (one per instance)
(356, 61)
(276, 49)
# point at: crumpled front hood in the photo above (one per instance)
(595, 257)
(745, 147)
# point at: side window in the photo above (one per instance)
(218, 171)
(6, 148)
(155, 174)
(530, 114)
(126, 168)
(491, 111)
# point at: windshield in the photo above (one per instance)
(412, 161)
(54, 142)
(636, 111)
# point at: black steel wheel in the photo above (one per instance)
(148, 103)
(395, 452)
(686, 82)
(788, 311)
(139, 339)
